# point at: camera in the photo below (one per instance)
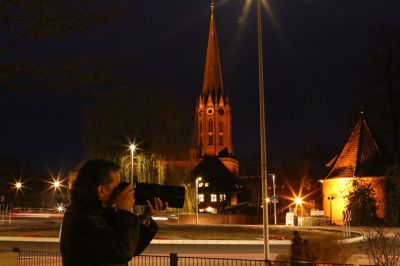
(174, 195)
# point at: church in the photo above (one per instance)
(212, 150)
(211, 154)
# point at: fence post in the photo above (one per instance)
(173, 259)
(16, 250)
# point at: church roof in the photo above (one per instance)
(359, 150)
(212, 82)
(213, 170)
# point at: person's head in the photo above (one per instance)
(96, 180)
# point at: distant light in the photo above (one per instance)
(60, 209)
(268, 200)
(56, 184)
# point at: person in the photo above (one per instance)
(297, 249)
(99, 227)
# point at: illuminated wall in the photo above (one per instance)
(339, 188)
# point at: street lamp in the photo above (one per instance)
(330, 198)
(262, 131)
(197, 199)
(274, 199)
(132, 148)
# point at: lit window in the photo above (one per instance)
(201, 197)
(222, 197)
(201, 184)
(211, 210)
(201, 210)
(213, 197)
(206, 184)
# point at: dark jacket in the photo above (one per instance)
(102, 236)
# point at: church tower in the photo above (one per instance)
(213, 120)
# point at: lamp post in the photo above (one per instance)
(197, 199)
(132, 148)
(275, 199)
(330, 198)
(262, 132)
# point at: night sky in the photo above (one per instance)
(311, 61)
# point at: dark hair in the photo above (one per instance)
(92, 174)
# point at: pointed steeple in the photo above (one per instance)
(359, 149)
(212, 82)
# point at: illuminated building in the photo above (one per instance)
(357, 159)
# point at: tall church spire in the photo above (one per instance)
(212, 83)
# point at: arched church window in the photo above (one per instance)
(210, 139)
(210, 125)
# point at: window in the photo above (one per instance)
(201, 197)
(201, 210)
(210, 126)
(221, 139)
(222, 197)
(213, 197)
(221, 126)
(206, 184)
(201, 184)
(210, 139)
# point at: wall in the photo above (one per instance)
(339, 188)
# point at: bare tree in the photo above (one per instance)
(24, 22)
(383, 246)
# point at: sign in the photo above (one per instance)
(275, 199)
(346, 216)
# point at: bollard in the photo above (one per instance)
(173, 259)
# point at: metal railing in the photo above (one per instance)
(18, 257)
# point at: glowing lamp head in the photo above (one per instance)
(298, 201)
(56, 184)
(18, 185)
(132, 147)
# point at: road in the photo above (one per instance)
(226, 251)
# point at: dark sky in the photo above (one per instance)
(311, 60)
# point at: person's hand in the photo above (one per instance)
(125, 199)
(153, 210)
